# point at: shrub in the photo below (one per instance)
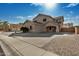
(24, 29)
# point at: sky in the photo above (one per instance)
(19, 12)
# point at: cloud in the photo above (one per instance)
(29, 17)
(45, 5)
(71, 12)
(74, 20)
(37, 4)
(42, 4)
(72, 5)
(20, 17)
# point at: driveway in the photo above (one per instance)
(39, 34)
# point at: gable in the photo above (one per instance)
(46, 18)
(43, 18)
(59, 19)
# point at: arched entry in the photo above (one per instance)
(51, 28)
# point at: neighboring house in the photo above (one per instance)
(45, 23)
(4, 26)
(67, 25)
(15, 27)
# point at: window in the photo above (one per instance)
(44, 19)
(31, 27)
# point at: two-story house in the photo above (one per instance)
(45, 23)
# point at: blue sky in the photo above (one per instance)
(19, 12)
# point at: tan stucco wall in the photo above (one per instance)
(35, 26)
(28, 24)
(40, 19)
(52, 24)
(41, 26)
(38, 28)
(76, 30)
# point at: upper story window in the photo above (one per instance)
(44, 20)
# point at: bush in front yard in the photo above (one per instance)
(24, 29)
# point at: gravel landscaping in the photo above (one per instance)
(64, 45)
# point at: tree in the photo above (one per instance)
(26, 21)
(5, 26)
(24, 29)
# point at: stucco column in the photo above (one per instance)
(57, 29)
(75, 30)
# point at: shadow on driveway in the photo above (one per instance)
(39, 34)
